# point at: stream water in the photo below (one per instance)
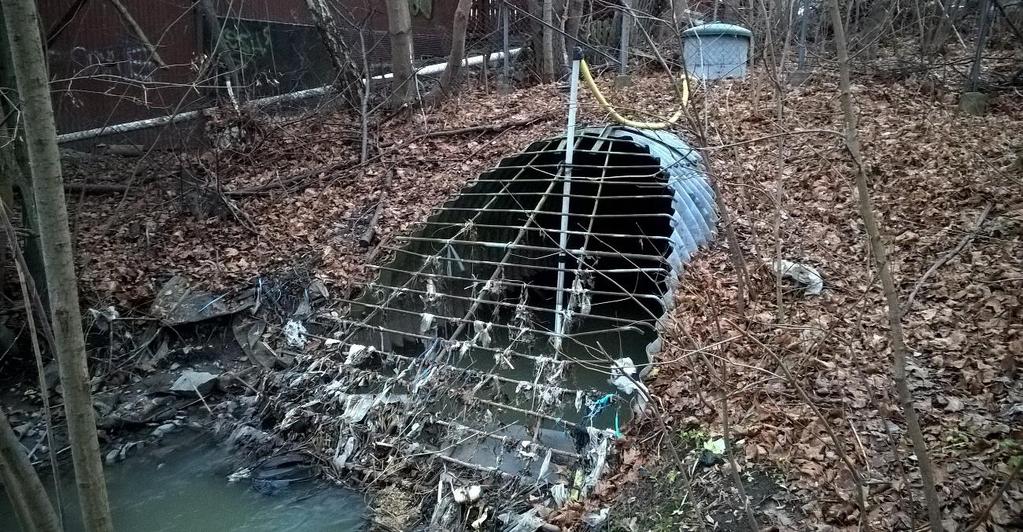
(184, 486)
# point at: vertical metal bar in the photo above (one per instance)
(504, 37)
(566, 190)
(623, 48)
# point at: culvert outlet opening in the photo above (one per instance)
(457, 330)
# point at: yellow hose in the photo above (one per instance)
(588, 78)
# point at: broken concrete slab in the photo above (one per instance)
(192, 381)
(179, 303)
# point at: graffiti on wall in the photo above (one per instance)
(126, 60)
(250, 45)
(248, 41)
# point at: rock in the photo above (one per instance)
(112, 456)
(803, 274)
(246, 435)
(279, 472)
(105, 403)
(798, 77)
(164, 429)
(190, 381)
(128, 448)
(973, 103)
(225, 381)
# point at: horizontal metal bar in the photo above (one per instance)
(511, 352)
(495, 264)
(545, 288)
(629, 324)
(576, 215)
(524, 411)
(574, 196)
(489, 470)
(546, 230)
(652, 184)
(530, 266)
(527, 247)
(502, 406)
(379, 328)
(590, 151)
(481, 374)
(502, 303)
(504, 439)
(655, 169)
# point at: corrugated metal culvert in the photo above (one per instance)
(716, 51)
(462, 317)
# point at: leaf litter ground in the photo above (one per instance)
(933, 173)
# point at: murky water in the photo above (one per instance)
(184, 487)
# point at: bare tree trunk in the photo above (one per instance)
(449, 79)
(364, 104)
(573, 20)
(31, 505)
(680, 14)
(209, 18)
(6, 202)
(561, 58)
(547, 54)
(16, 160)
(348, 80)
(884, 272)
(804, 14)
(536, 35)
(872, 27)
(22, 22)
(399, 25)
(128, 19)
(933, 40)
(22, 513)
(983, 26)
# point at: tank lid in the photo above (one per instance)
(717, 28)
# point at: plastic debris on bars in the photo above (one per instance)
(524, 522)
(625, 377)
(599, 443)
(295, 333)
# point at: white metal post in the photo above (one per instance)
(623, 80)
(623, 49)
(566, 190)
